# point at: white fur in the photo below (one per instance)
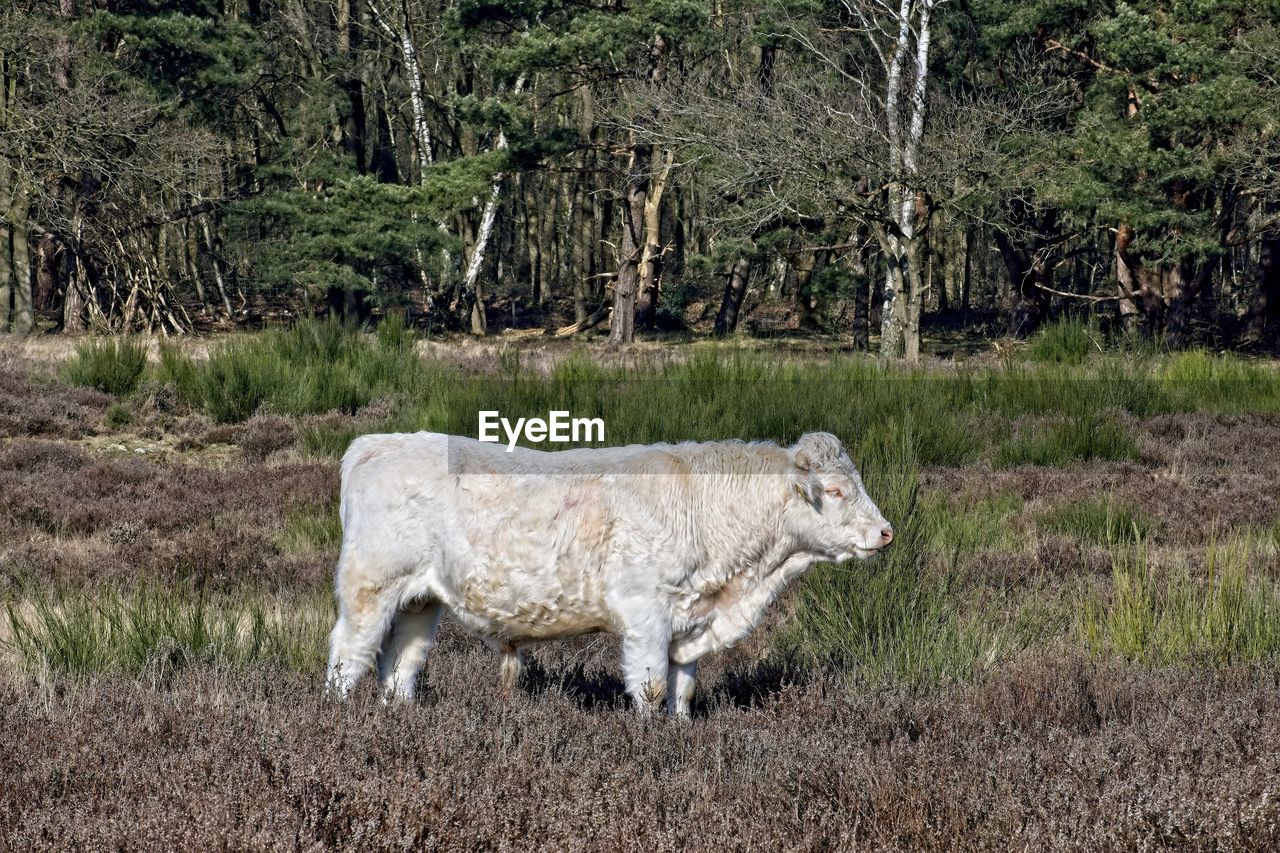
(678, 549)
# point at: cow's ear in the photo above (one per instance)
(804, 477)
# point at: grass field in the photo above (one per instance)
(1072, 644)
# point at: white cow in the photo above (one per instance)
(678, 549)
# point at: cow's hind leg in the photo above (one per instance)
(413, 635)
(681, 678)
(364, 615)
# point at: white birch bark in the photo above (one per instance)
(409, 56)
(486, 224)
(487, 218)
(900, 315)
(403, 37)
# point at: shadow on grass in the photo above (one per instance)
(595, 688)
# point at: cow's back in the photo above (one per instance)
(531, 545)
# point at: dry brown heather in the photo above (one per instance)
(1048, 754)
(69, 516)
(57, 410)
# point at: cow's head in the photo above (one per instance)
(835, 517)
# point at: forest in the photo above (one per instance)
(872, 170)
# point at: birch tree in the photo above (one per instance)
(633, 249)
(470, 281)
(900, 38)
(400, 32)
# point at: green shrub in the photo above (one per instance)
(178, 369)
(316, 366)
(1063, 342)
(118, 415)
(113, 365)
(237, 379)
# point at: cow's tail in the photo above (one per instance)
(357, 454)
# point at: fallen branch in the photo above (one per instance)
(1088, 297)
(587, 322)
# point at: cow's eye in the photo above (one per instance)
(835, 492)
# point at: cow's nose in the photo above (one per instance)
(886, 536)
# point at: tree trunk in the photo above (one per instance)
(8, 227)
(893, 310)
(402, 35)
(215, 262)
(353, 123)
(634, 246)
(735, 289)
(914, 301)
(46, 272)
(651, 262)
(1166, 293)
(564, 238)
(806, 264)
(904, 280)
(586, 267)
(862, 292)
(75, 302)
(471, 281)
(22, 321)
(1126, 280)
(6, 277)
(1264, 312)
(1027, 279)
(76, 295)
(532, 237)
(907, 209)
(1183, 283)
(622, 328)
(942, 264)
(861, 332)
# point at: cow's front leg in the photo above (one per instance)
(680, 683)
(644, 669)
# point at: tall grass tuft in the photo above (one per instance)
(1078, 438)
(316, 366)
(1100, 520)
(953, 530)
(1224, 617)
(310, 530)
(154, 631)
(112, 365)
(887, 621)
(716, 393)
